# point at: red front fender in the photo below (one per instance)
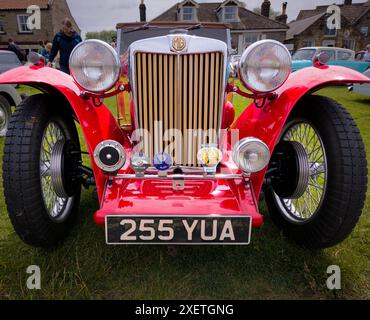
(97, 124)
(267, 123)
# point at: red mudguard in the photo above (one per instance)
(97, 124)
(268, 122)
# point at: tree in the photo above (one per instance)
(105, 35)
(273, 13)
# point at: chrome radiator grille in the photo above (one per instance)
(179, 92)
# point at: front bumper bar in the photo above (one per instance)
(126, 195)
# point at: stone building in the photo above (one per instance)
(246, 26)
(310, 27)
(13, 21)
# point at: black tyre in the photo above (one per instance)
(41, 156)
(5, 115)
(318, 175)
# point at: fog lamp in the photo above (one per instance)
(162, 161)
(209, 158)
(110, 156)
(251, 155)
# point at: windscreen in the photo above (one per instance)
(306, 54)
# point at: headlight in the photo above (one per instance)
(251, 155)
(265, 66)
(95, 66)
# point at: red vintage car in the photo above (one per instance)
(175, 167)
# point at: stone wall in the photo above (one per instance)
(316, 35)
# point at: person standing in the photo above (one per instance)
(367, 54)
(12, 46)
(64, 42)
(42, 47)
(46, 51)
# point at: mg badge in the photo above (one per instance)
(179, 43)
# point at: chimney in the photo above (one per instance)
(347, 2)
(265, 8)
(142, 9)
(283, 18)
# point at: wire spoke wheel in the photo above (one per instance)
(5, 115)
(57, 207)
(3, 118)
(305, 207)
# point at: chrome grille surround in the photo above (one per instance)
(184, 90)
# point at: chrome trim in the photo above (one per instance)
(115, 145)
(240, 145)
(57, 170)
(244, 58)
(162, 45)
(182, 176)
(115, 56)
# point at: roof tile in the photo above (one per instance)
(22, 4)
(207, 13)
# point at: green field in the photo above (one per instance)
(271, 268)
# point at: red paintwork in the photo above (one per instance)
(219, 197)
(97, 124)
(228, 115)
(199, 197)
(267, 123)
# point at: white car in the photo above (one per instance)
(363, 88)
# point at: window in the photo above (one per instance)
(22, 23)
(188, 14)
(349, 44)
(231, 13)
(330, 53)
(365, 31)
(250, 38)
(304, 54)
(308, 43)
(344, 55)
(2, 27)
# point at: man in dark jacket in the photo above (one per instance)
(12, 46)
(64, 42)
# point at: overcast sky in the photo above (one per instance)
(97, 15)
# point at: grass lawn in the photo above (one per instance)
(270, 268)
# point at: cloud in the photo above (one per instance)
(97, 15)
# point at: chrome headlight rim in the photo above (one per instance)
(240, 147)
(116, 60)
(244, 59)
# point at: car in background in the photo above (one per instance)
(304, 58)
(8, 61)
(363, 88)
(9, 97)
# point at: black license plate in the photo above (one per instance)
(175, 230)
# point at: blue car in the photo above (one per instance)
(304, 57)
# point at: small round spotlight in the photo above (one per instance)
(209, 158)
(110, 156)
(162, 161)
(251, 155)
(140, 163)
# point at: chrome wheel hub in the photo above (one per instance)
(3, 118)
(56, 201)
(302, 205)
